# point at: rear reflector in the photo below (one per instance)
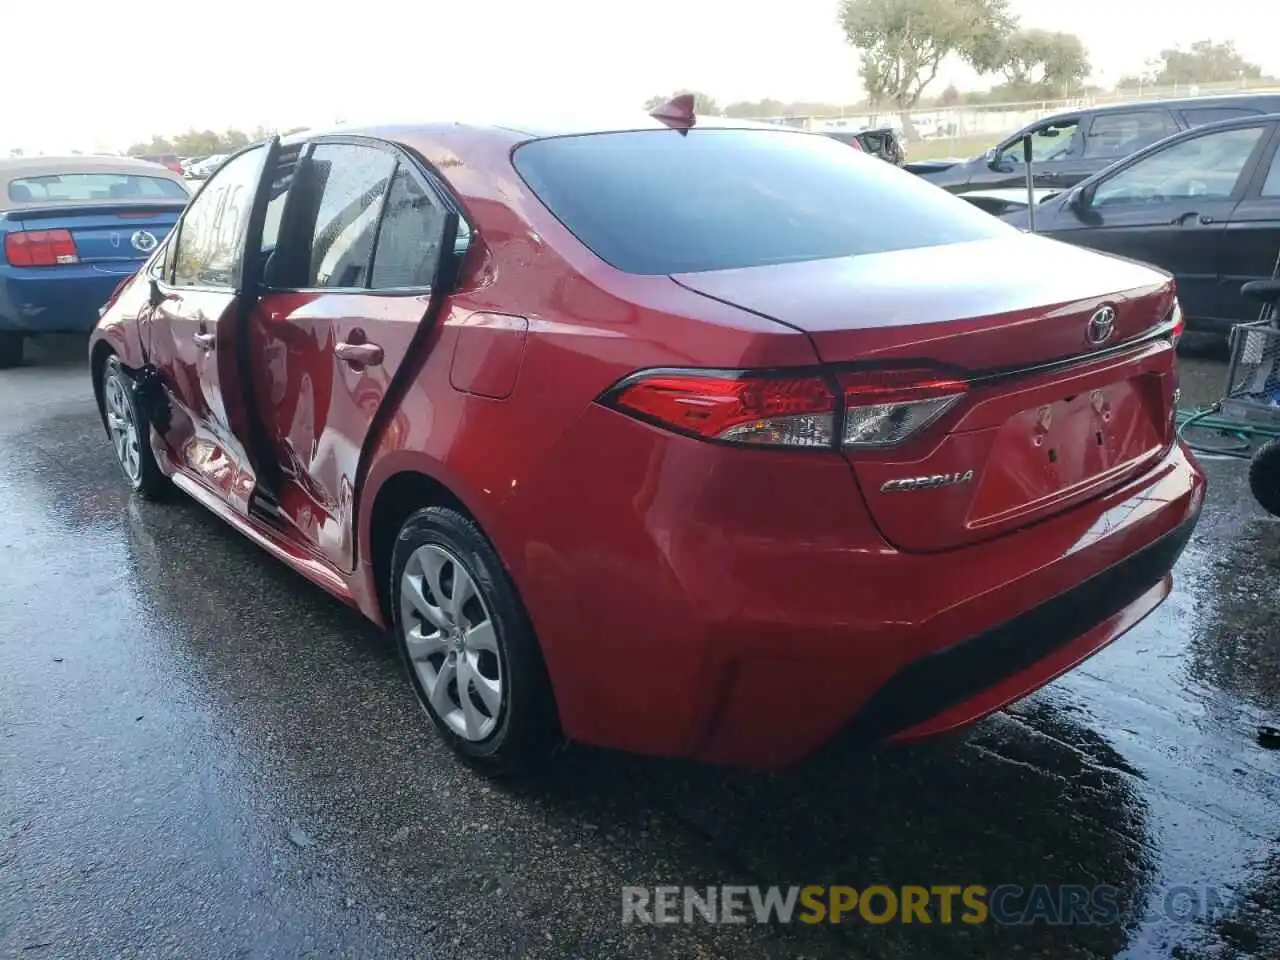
(733, 406)
(870, 408)
(40, 248)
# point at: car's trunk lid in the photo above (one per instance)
(121, 234)
(1049, 417)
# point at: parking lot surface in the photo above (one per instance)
(201, 755)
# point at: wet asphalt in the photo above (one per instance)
(201, 755)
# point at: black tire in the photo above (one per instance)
(145, 479)
(10, 348)
(525, 728)
(1264, 476)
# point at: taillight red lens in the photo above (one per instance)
(40, 248)
(737, 407)
(885, 407)
(1179, 322)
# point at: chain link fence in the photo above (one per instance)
(967, 129)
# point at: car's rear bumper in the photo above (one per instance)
(945, 674)
(739, 606)
(57, 299)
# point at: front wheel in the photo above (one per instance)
(10, 348)
(467, 645)
(1264, 476)
(130, 433)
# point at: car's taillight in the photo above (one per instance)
(40, 248)
(1178, 323)
(886, 407)
(855, 409)
(734, 406)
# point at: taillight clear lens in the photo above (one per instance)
(40, 248)
(887, 407)
(776, 411)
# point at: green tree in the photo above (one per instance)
(903, 43)
(950, 97)
(702, 103)
(1041, 61)
(1204, 62)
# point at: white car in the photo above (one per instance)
(205, 168)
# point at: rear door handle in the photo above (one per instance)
(204, 341)
(359, 355)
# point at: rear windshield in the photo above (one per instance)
(655, 202)
(78, 187)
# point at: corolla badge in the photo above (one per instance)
(926, 483)
(144, 241)
(1101, 325)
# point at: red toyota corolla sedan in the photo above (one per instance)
(696, 439)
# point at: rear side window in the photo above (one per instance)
(90, 187)
(656, 201)
(1120, 134)
(355, 179)
(1199, 116)
(409, 241)
(1271, 186)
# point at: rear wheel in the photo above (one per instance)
(130, 432)
(10, 348)
(1264, 476)
(467, 646)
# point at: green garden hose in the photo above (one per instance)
(1238, 437)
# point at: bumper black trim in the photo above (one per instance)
(929, 686)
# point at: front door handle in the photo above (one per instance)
(359, 355)
(204, 341)
(1206, 219)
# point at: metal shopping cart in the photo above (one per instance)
(1249, 410)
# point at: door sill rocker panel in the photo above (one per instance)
(314, 570)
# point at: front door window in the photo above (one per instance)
(1052, 141)
(211, 237)
(1205, 167)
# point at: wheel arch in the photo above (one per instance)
(403, 490)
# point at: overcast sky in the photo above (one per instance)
(102, 75)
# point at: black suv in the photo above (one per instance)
(882, 142)
(1069, 147)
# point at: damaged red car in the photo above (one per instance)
(690, 438)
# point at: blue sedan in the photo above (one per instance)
(72, 229)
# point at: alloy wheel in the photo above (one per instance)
(123, 427)
(452, 641)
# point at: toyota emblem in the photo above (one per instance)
(143, 241)
(1101, 325)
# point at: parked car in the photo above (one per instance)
(1203, 204)
(707, 440)
(881, 142)
(71, 229)
(170, 161)
(202, 169)
(1069, 147)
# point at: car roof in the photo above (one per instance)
(1266, 102)
(528, 128)
(16, 168)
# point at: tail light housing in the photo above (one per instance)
(855, 409)
(40, 248)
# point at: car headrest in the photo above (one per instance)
(20, 193)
